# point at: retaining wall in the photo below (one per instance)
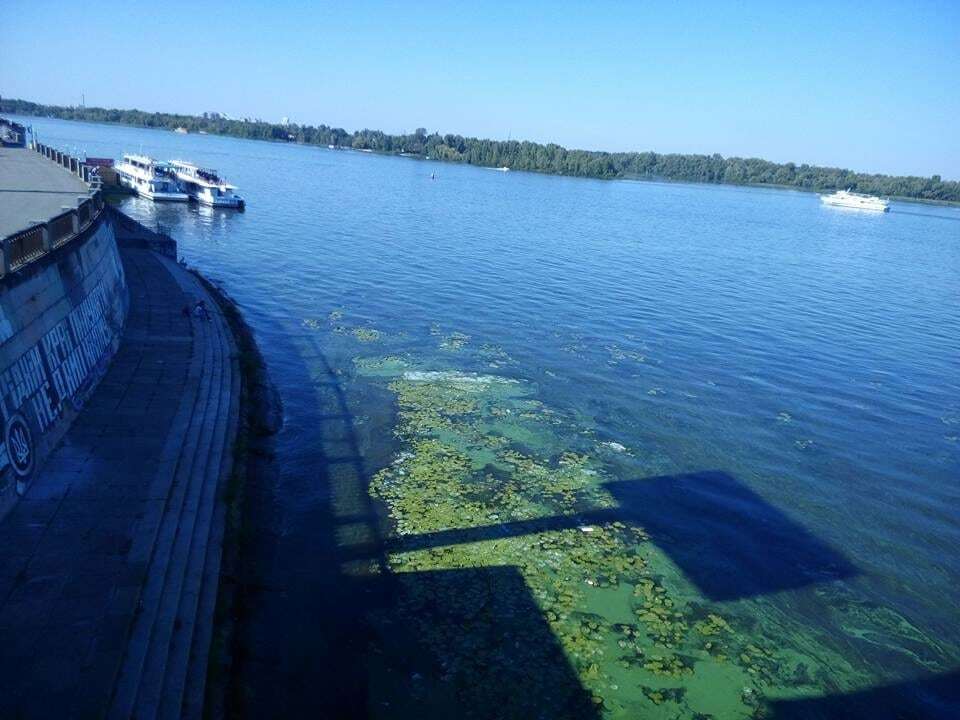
(61, 317)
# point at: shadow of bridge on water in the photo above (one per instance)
(325, 628)
(730, 542)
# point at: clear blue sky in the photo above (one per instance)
(873, 86)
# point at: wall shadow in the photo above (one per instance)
(728, 541)
(935, 698)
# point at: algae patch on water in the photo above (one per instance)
(489, 480)
(366, 334)
(527, 589)
(454, 341)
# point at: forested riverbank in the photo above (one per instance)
(523, 155)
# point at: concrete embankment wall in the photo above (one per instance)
(61, 317)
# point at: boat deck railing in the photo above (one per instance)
(23, 247)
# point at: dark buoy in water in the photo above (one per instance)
(433, 176)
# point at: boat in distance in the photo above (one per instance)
(205, 186)
(150, 178)
(859, 201)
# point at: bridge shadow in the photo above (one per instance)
(330, 631)
(500, 658)
(326, 630)
(935, 698)
(729, 541)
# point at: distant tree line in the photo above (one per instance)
(521, 155)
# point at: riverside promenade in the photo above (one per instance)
(32, 188)
(110, 563)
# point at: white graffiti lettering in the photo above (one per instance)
(72, 348)
(20, 381)
(56, 344)
(45, 413)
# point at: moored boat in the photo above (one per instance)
(859, 201)
(149, 178)
(206, 186)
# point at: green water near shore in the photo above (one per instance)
(490, 476)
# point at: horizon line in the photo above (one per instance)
(438, 133)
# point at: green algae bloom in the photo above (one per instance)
(485, 496)
(454, 341)
(480, 456)
(366, 334)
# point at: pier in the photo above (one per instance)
(112, 536)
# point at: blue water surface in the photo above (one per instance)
(809, 354)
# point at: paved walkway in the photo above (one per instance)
(33, 188)
(109, 565)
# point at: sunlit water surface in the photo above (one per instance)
(761, 392)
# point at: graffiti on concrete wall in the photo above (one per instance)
(72, 349)
(57, 373)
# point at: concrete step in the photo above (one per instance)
(194, 692)
(149, 638)
(175, 617)
(186, 436)
(188, 617)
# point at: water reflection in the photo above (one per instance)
(179, 218)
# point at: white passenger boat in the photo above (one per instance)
(845, 198)
(205, 186)
(149, 178)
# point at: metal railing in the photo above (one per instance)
(32, 243)
(90, 174)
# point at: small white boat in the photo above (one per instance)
(205, 186)
(149, 178)
(845, 198)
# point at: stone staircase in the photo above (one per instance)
(179, 542)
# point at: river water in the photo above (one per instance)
(559, 447)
